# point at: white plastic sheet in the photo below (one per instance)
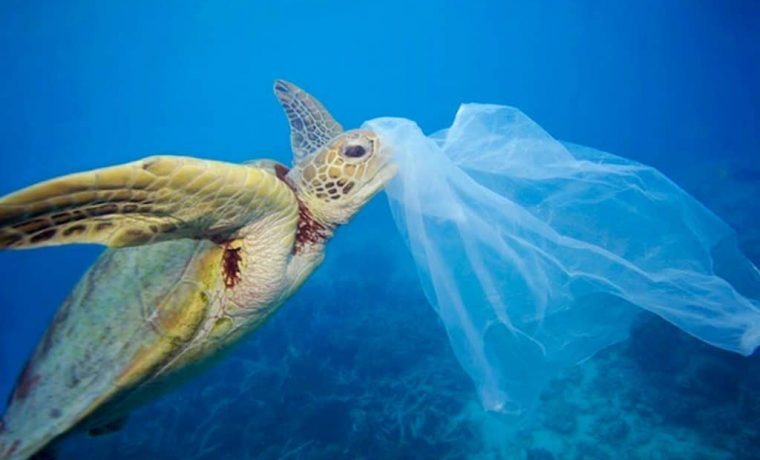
(537, 254)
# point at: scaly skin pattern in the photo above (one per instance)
(140, 317)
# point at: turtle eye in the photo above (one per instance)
(355, 151)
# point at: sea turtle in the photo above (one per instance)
(201, 253)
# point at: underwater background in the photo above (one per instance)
(357, 364)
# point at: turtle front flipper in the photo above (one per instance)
(311, 125)
(155, 199)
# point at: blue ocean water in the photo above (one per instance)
(357, 364)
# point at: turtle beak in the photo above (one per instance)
(385, 170)
(383, 176)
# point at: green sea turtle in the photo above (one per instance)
(202, 253)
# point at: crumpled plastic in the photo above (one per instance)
(536, 254)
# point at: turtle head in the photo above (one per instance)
(335, 172)
(337, 181)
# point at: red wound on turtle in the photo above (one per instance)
(231, 266)
(309, 230)
(281, 171)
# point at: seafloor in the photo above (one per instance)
(358, 367)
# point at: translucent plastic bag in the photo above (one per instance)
(537, 254)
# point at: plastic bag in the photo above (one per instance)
(537, 254)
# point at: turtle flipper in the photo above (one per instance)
(311, 125)
(155, 199)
